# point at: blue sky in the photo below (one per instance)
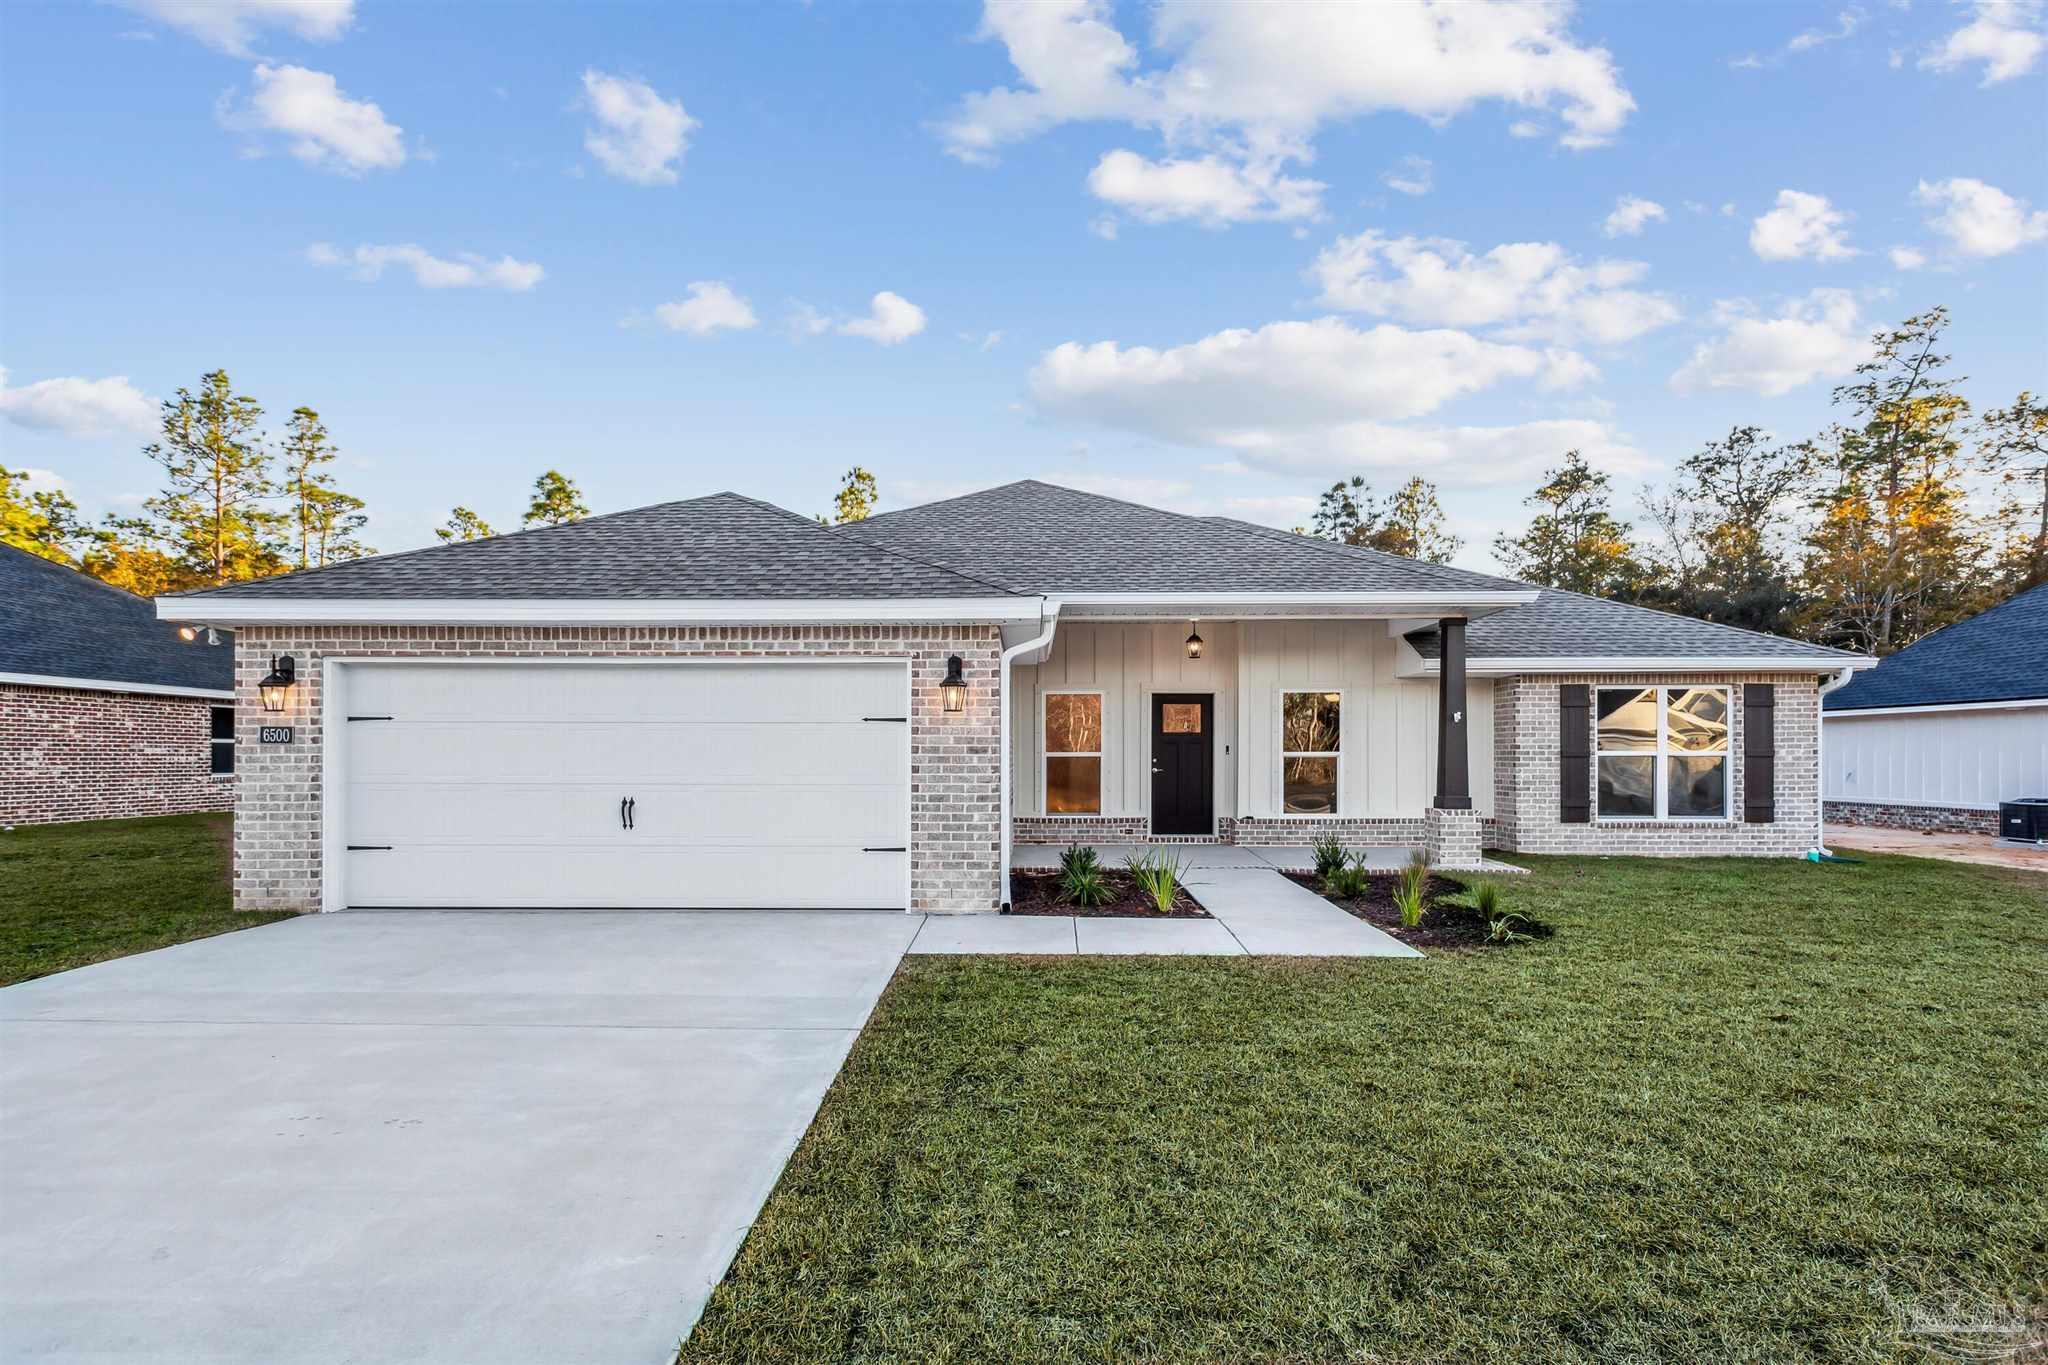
(1205, 257)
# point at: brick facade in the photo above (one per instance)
(1924, 819)
(78, 754)
(1451, 838)
(954, 813)
(1525, 774)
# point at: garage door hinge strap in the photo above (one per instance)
(896, 848)
(369, 848)
(369, 717)
(899, 720)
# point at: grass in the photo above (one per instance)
(78, 893)
(1735, 1110)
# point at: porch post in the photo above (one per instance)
(1453, 762)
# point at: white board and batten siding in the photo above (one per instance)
(500, 784)
(1389, 723)
(1964, 757)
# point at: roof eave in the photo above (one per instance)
(1142, 606)
(1504, 666)
(616, 611)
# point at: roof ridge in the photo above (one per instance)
(957, 497)
(1386, 557)
(832, 532)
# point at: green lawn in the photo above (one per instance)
(73, 894)
(1733, 1111)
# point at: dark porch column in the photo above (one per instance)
(1453, 761)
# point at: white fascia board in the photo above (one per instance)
(1428, 606)
(591, 612)
(1670, 663)
(112, 685)
(1856, 712)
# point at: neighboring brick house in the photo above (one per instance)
(105, 712)
(1939, 733)
(717, 702)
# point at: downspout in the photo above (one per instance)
(1049, 617)
(1820, 758)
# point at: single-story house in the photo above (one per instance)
(718, 702)
(1938, 734)
(106, 711)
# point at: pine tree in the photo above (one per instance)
(211, 519)
(1411, 524)
(2012, 443)
(1575, 542)
(464, 524)
(42, 521)
(556, 501)
(324, 519)
(856, 498)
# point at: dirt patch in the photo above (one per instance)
(1037, 893)
(1446, 924)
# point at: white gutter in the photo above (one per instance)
(1478, 597)
(1497, 666)
(114, 685)
(1051, 621)
(1932, 708)
(485, 611)
(1820, 759)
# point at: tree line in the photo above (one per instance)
(1865, 536)
(1908, 512)
(236, 502)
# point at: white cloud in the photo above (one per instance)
(231, 25)
(1846, 23)
(639, 136)
(1208, 189)
(1631, 215)
(891, 319)
(79, 407)
(983, 341)
(326, 128)
(1537, 287)
(1980, 219)
(1456, 454)
(467, 270)
(1801, 226)
(1819, 335)
(1907, 258)
(2005, 35)
(1415, 175)
(1253, 83)
(1291, 393)
(1525, 128)
(711, 307)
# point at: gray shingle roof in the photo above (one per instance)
(1570, 625)
(57, 622)
(722, 546)
(1997, 655)
(1040, 538)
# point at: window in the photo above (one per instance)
(1180, 718)
(1662, 753)
(1073, 753)
(223, 741)
(1311, 730)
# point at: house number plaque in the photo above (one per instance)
(274, 734)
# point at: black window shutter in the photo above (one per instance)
(1759, 753)
(1574, 753)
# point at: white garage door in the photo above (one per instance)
(634, 785)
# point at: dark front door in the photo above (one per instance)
(1183, 763)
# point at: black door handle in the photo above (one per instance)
(632, 811)
(622, 812)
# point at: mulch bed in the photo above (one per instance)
(1445, 924)
(1038, 893)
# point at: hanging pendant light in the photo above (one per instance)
(1194, 642)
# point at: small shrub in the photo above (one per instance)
(1158, 874)
(1330, 856)
(1078, 856)
(1486, 900)
(1085, 884)
(1348, 881)
(1502, 928)
(1408, 900)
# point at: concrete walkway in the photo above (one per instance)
(1255, 911)
(1286, 857)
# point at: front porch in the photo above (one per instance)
(1269, 732)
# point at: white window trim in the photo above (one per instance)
(1101, 756)
(1659, 786)
(1283, 753)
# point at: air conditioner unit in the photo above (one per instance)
(2024, 821)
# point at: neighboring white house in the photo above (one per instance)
(1937, 735)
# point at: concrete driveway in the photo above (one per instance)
(445, 1137)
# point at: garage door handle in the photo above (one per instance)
(622, 812)
(632, 810)
(891, 848)
(369, 848)
(897, 720)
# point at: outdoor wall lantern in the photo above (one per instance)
(277, 683)
(954, 689)
(1194, 642)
